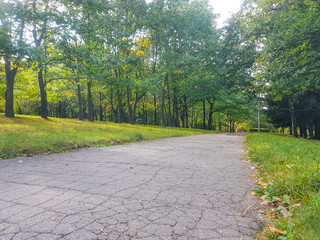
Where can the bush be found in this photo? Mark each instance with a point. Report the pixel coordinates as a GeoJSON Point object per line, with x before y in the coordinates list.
{"type": "Point", "coordinates": [240, 129]}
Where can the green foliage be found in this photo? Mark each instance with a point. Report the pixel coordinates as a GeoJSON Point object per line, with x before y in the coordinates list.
{"type": "Point", "coordinates": [128, 61]}
{"type": "Point", "coordinates": [287, 63]}
{"type": "Point", "coordinates": [308, 218]}
{"type": "Point", "coordinates": [291, 169]}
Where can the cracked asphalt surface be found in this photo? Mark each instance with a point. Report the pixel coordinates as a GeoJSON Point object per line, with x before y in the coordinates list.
{"type": "Point", "coordinates": [178, 188]}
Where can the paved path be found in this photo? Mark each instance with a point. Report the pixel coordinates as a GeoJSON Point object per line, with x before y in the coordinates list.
{"type": "Point", "coordinates": [179, 188]}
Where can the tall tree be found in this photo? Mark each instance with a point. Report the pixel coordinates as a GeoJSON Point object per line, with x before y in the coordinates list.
{"type": "Point", "coordinates": [12, 46]}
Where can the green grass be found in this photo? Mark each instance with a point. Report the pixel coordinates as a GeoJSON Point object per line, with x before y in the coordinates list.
{"type": "Point", "coordinates": [25, 135]}
{"type": "Point", "coordinates": [291, 169]}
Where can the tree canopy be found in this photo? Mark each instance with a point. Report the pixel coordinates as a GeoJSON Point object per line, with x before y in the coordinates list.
{"type": "Point", "coordinates": [163, 62]}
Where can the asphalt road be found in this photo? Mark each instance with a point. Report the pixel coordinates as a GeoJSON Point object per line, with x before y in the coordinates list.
{"type": "Point", "coordinates": [178, 188]}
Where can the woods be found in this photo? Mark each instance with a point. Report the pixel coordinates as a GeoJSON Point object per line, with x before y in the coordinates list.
{"type": "Point", "coordinates": [163, 63]}
{"type": "Point", "coordinates": [288, 66]}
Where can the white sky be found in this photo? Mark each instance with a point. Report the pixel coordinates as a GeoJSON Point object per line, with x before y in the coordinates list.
{"type": "Point", "coordinates": [225, 8]}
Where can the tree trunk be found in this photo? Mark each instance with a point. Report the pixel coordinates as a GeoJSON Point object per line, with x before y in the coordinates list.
{"type": "Point", "coordinates": [293, 119]}
{"type": "Point", "coordinates": [143, 115]}
{"type": "Point", "coordinates": [113, 112]}
{"type": "Point", "coordinates": [310, 129]}
{"type": "Point", "coordinates": [304, 129]}
{"type": "Point", "coordinates": [135, 108]}
{"type": "Point", "coordinates": [138, 98]}
{"type": "Point", "coordinates": [210, 120]}
{"type": "Point", "coordinates": [220, 127]}
{"type": "Point", "coordinates": [130, 117]}
{"type": "Point", "coordinates": [317, 128]}
{"type": "Point", "coordinates": [90, 106]}
{"type": "Point", "coordinates": [301, 130]}
{"type": "Point", "coordinates": [175, 109]}
{"type": "Point", "coordinates": [182, 116]}
{"type": "Point", "coordinates": [10, 76]}
{"type": "Point", "coordinates": [192, 118]}
{"type": "Point", "coordinates": [101, 108]}
{"type": "Point", "coordinates": [43, 94]}
{"type": "Point", "coordinates": [163, 118]}
{"type": "Point", "coordinates": [185, 107]}
{"type": "Point", "coordinates": [169, 118]}
{"type": "Point", "coordinates": [155, 109]}
{"type": "Point", "coordinates": [204, 114]}
{"type": "Point", "coordinates": [79, 101]}
{"type": "Point", "coordinates": [119, 106]}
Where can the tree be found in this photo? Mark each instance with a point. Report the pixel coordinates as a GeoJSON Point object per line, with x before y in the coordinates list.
{"type": "Point", "coordinates": [289, 60]}
{"type": "Point", "coordinates": [12, 46]}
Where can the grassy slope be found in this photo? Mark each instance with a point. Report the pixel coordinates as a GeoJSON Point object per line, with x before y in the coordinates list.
{"type": "Point", "coordinates": [291, 169]}
{"type": "Point", "coordinates": [33, 135]}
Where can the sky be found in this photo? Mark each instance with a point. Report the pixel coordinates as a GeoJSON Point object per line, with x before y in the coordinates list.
{"type": "Point", "coordinates": [225, 8]}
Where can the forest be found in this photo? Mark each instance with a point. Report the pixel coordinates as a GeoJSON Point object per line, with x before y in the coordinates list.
{"type": "Point", "coordinates": [163, 62]}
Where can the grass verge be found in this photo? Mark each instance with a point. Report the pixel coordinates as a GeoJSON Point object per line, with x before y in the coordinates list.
{"type": "Point", "coordinates": [28, 135]}
{"type": "Point", "coordinates": [289, 175]}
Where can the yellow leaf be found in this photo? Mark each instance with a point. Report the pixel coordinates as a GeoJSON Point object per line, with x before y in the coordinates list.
{"type": "Point", "coordinates": [275, 229]}
{"type": "Point", "coordinates": [140, 53]}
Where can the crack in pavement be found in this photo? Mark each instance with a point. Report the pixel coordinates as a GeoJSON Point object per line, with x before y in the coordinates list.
{"type": "Point", "coordinates": [178, 188]}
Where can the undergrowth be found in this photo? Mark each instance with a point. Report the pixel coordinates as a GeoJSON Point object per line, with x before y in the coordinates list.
{"type": "Point", "coordinates": [289, 176]}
